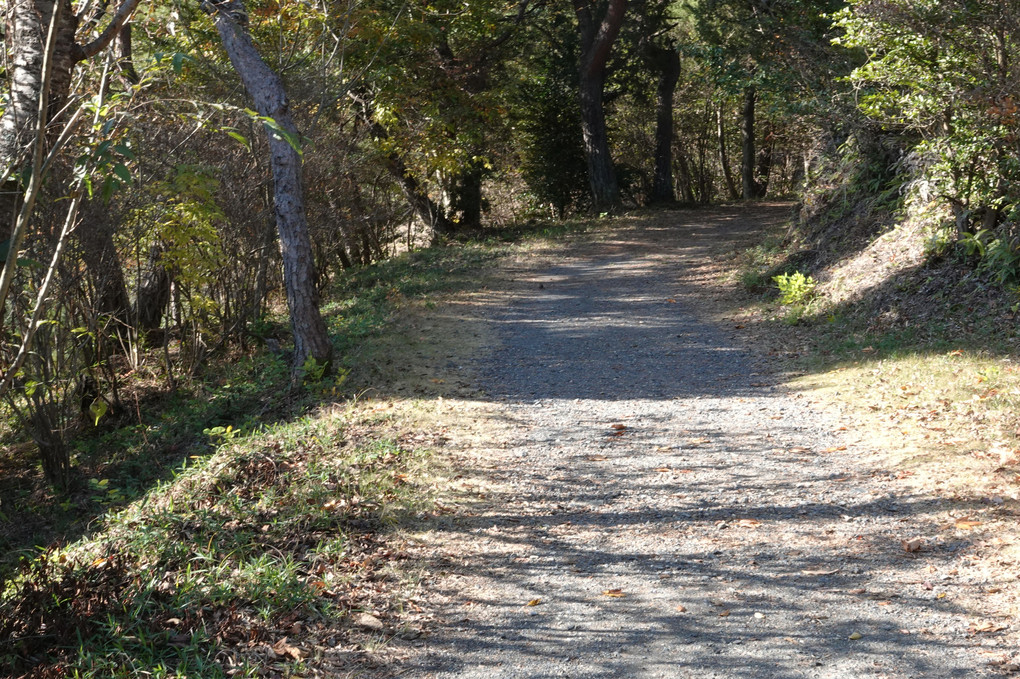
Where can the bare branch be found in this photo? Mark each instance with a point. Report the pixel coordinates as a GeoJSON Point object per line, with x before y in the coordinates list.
{"type": "Point", "coordinates": [120, 17]}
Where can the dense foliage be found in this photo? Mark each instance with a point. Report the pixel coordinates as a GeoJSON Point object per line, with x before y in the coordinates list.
{"type": "Point", "coordinates": [144, 211]}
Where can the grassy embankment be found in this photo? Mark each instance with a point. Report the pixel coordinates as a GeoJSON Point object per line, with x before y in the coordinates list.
{"type": "Point", "coordinates": [914, 343]}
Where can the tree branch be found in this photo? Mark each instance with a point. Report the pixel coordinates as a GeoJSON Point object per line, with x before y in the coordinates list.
{"type": "Point", "coordinates": [120, 17]}
{"type": "Point", "coordinates": [608, 30]}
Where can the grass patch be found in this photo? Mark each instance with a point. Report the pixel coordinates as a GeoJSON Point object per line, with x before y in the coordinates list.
{"type": "Point", "coordinates": [279, 530]}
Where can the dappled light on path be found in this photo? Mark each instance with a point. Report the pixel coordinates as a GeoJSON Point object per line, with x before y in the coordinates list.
{"type": "Point", "coordinates": [662, 507]}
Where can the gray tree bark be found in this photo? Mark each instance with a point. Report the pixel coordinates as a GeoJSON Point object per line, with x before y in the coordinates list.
{"type": "Point", "coordinates": [266, 89]}
{"type": "Point", "coordinates": [596, 44]}
{"type": "Point", "coordinates": [668, 61]}
{"type": "Point", "coordinates": [747, 144]}
{"type": "Point", "coordinates": [724, 159]}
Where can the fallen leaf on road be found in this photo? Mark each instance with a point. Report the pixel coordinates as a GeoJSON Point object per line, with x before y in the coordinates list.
{"type": "Point", "coordinates": [967, 524]}
{"type": "Point", "coordinates": [912, 545]}
{"type": "Point", "coordinates": [597, 458]}
{"type": "Point", "coordinates": [619, 427]}
{"type": "Point", "coordinates": [615, 593]}
{"type": "Point", "coordinates": [798, 449]}
{"type": "Point", "coordinates": [724, 614]}
{"type": "Point", "coordinates": [818, 571]}
{"type": "Point", "coordinates": [749, 523]}
{"type": "Point", "coordinates": [834, 449]}
{"type": "Point", "coordinates": [663, 469]}
{"type": "Point", "coordinates": [534, 602]}
{"type": "Point", "coordinates": [985, 626]}
{"type": "Point", "coordinates": [856, 635]}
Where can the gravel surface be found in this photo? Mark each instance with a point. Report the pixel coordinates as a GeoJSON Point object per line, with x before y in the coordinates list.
{"type": "Point", "coordinates": [657, 505]}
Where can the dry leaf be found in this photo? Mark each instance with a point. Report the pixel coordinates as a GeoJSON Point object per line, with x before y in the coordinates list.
{"type": "Point", "coordinates": [282, 648]}
{"type": "Point", "coordinates": [534, 602]}
{"type": "Point", "coordinates": [834, 449]}
{"type": "Point", "coordinates": [697, 442]}
{"type": "Point", "coordinates": [749, 523]}
{"type": "Point", "coordinates": [985, 626]}
{"type": "Point", "coordinates": [967, 524]}
{"type": "Point", "coordinates": [798, 449]}
{"type": "Point", "coordinates": [856, 635]}
{"type": "Point", "coordinates": [619, 427]}
{"type": "Point", "coordinates": [615, 593]}
{"type": "Point", "coordinates": [681, 609]}
{"type": "Point", "coordinates": [818, 571]}
{"type": "Point", "coordinates": [724, 614]}
{"type": "Point", "coordinates": [912, 545]}
{"type": "Point", "coordinates": [597, 458]}
{"type": "Point", "coordinates": [662, 469]}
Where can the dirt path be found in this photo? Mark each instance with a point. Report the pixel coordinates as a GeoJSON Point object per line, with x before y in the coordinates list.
{"type": "Point", "coordinates": [656, 506]}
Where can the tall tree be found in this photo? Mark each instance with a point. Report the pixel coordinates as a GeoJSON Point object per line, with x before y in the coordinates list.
{"type": "Point", "coordinates": [660, 53]}
{"type": "Point", "coordinates": [596, 38]}
{"type": "Point", "coordinates": [311, 341]}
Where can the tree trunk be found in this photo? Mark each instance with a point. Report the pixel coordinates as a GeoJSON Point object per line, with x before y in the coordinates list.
{"type": "Point", "coordinates": [102, 266]}
{"type": "Point", "coordinates": [311, 340]}
{"type": "Point", "coordinates": [596, 43]}
{"type": "Point", "coordinates": [431, 214]}
{"type": "Point", "coordinates": [724, 159]}
{"type": "Point", "coordinates": [27, 26]}
{"type": "Point", "coordinates": [764, 169]}
{"type": "Point", "coordinates": [747, 130]}
{"type": "Point", "coordinates": [686, 180]}
{"type": "Point", "coordinates": [669, 75]}
{"type": "Point", "coordinates": [153, 294]}
{"type": "Point", "coordinates": [467, 196]}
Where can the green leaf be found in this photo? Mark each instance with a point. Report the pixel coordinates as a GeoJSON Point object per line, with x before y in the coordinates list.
{"type": "Point", "coordinates": [121, 171]}
{"type": "Point", "coordinates": [239, 137]}
{"type": "Point", "coordinates": [124, 150]}
{"type": "Point", "coordinates": [178, 60]}
{"type": "Point", "coordinates": [98, 409]}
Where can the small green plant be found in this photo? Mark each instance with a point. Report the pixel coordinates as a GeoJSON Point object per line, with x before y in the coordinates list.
{"type": "Point", "coordinates": [313, 371]}
{"type": "Point", "coordinates": [105, 494]}
{"type": "Point", "coordinates": [940, 242]}
{"type": "Point", "coordinates": [221, 435]}
{"type": "Point", "coordinates": [795, 288]}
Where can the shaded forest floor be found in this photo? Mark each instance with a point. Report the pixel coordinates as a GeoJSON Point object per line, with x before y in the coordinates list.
{"type": "Point", "coordinates": [589, 456]}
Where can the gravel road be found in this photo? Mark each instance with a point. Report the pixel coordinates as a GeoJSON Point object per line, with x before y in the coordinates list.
{"type": "Point", "coordinates": [660, 506]}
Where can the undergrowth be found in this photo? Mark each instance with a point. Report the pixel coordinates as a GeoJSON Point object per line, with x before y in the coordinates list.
{"type": "Point", "coordinates": [227, 527]}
